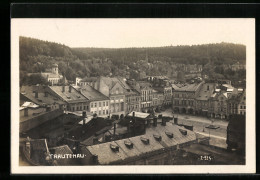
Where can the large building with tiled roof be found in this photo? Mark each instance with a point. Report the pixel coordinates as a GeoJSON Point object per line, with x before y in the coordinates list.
{"type": "Point", "coordinates": [184, 97]}
{"type": "Point", "coordinates": [157, 146]}
{"type": "Point", "coordinates": [98, 102]}
{"type": "Point", "coordinates": [203, 97]}
{"type": "Point", "coordinates": [112, 88]}
{"type": "Point", "coordinates": [41, 96]}
{"type": "Point", "coordinates": [75, 100]}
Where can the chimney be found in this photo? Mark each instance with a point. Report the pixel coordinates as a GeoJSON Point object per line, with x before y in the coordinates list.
{"type": "Point", "coordinates": [114, 129]}
{"type": "Point", "coordinates": [36, 94]}
{"type": "Point", "coordinates": [163, 121]}
{"type": "Point", "coordinates": [70, 89]}
{"type": "Point", "coordinates": [155, 122]}
{"type": "Point", "coordinates": [63, 88]}
{"type": "Point", "coordinates": [175, 120]}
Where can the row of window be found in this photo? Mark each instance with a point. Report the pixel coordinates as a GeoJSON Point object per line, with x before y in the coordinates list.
{"type": "Point", "coordinates": [117, 107]}
{"type": "Point", "coordinates": [183, 102]}
{"type": "Point", "coordinates": [182, 95]}
{"type": "Point", "coordinates": [100, 112]}
{"type": "Point", "coordinates": [132, 99]}
{"type": "Point", "coordinates": [99, 104]}
{"type": "Point", "coordinates": [78, 108]}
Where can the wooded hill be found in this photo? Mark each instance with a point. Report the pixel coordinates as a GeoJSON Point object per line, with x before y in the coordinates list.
{"type": "Point", "coordinates": [37, 55]}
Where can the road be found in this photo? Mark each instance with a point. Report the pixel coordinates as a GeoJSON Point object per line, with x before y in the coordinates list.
{"type": "Point", "coordinates": [217, 136]}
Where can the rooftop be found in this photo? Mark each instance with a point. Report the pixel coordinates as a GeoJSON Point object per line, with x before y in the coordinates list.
{"type": "Point", "coordinates": [67, 96]}
{"type": "Point", "coordinates": [28, 92]}
{"type": "Point", "coordinates": [91, 93]}
{"type": "Point", "coordinates": [188, 87]}
{"type": "Point", "coordinates": [141, 145]}
{"type": "Point", "coordinates": [206, 91]}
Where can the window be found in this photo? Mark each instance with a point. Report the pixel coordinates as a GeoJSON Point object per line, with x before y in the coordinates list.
{"type": "Point", "coordinates": [107, 103]}
{"type": "Point", "coordinates": [241, 107]}
{"type": "Point", "coordinates": [99, 104]}
{"type": "Point", "coordinates": [91, 104]}
{"type": "Point", "coordinates": [106, 111]}
{"type": "Point", "coordinates": [87, 107]}
{"type": "Point", "coordinates": [103, 111]}
{"type": "Point", "coordinates": [72, 108]}
{"type": "Point", "coordinates": [77, 108]}
{"type": "Point", "coordinates": [99, 112]}
{"type": "Point", "coordinates": [104, 103]}
{"type": "Point", "coordinates": [95, 104]}
{"type": "Point", "coordinates": [84, 107]}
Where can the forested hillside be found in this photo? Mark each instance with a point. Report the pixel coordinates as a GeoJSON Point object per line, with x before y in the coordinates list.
{"type": "Point", "coordinates": [37, 55]}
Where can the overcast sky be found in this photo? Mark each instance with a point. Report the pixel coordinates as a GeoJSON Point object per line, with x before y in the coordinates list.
{"type": "Point", "coordinates": [117, 33]}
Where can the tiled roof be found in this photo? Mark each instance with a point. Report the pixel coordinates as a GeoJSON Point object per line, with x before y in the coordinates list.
{"type": "Point", "coordinates": [70, 97]}
{"type": "Point", "coordinates": [188, 87]}
{"type": "Point", "coordinates": [28, 92]}
{"type": "Point", "coordinates": [107, 156]}
{"type": "Point", "coordinates": [204, 93]}
{"type": "Point", "coordinates": [91, 93]}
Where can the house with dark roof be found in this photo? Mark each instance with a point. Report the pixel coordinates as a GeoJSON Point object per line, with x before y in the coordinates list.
{"type": "Point", "coordinates": [184, 97]}
{"type": "Point", "coordinates": [75, 100]}
{"type": "Point", "coordinates": [41, 96]}
{"type": "Point", "coordinates": [202, 99]}
{"type": "Point", "coordinates": [157, 146]}
{"type": "Point", "coordinates": [98, 102]}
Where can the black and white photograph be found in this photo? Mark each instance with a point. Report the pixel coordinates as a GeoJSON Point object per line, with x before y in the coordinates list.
{"type": "Point", "coordinates": [129, 93]}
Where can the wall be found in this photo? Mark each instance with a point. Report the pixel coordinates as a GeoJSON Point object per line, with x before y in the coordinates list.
{"type": "Point", "coordinates": [38, 120]}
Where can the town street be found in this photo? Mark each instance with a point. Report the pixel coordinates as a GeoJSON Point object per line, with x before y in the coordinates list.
{"type": "Point", "coordinates": [217, 136]}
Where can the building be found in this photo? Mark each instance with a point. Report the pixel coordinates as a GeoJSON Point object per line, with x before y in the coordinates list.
{"type": "Point", "coordinates": [162, 85]}
{"type": "Point", "coordinates": [158, 99]}
{"type": "Point", "coordinates": [112, 88]}
{"type": "Point", "coordinates": [98, 103]}
{"type": "Point", "coordinates": [145, 89]}
{"type": "Point", "coordinates": [184, 97]}
{"type": "Point", "coordinates": [30, 109]}
{"type": "Point", "coordinates": [42, 96]}
{"type": "Point", "coordinates": [75, 101]}
{"type": "Point", "coordinates": [218, 105]}
{"type": "Point", "coordinates": [237, 66]}
{"type": "Point", "coordinates": [158, 146]}
{"type": "Point", "coordinates": [237, 103]}
{"type": "Point", "coordinates": [202, 99]}
{"type": "Point", "coordinates": [52, 75]}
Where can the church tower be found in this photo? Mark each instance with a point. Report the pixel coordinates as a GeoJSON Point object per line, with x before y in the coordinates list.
{"type": "Point", "coordinates": [55, 69]}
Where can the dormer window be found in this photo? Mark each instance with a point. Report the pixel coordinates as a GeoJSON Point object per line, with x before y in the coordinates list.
{"type": "Point", "coordinates": [129, 144]}
{"type": "Point", "coordinates": [169, 134]}
{"type": "Point", "coordinates": [183, 132]}
{"type": "Point", "coordinates": [114, 148]}
{"type": "Point", "coordinates": [145, 140]}
{"type": "Point", "coordinates": [157, 137]}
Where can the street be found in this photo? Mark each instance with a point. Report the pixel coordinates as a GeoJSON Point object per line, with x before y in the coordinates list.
{"type": "Point", "coordinates": [217, 136]}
